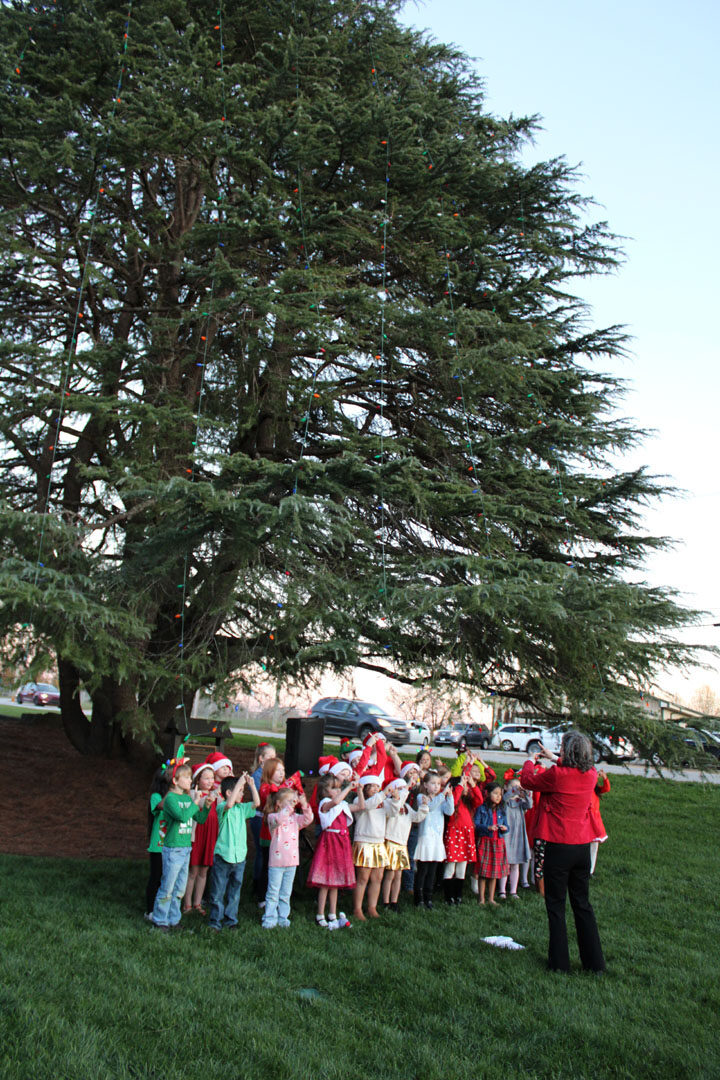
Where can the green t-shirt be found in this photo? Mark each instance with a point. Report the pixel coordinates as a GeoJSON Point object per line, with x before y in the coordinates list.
{"type": "Point", "coordinates": [232, 838]}
{"type": "Point", "coordinates": [158, 826]}
{"type": "Point", "coordinates": [178, 813]}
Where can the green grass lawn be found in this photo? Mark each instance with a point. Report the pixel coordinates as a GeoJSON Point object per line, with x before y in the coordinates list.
{"type": "Point", "coordinates": [90, 991]}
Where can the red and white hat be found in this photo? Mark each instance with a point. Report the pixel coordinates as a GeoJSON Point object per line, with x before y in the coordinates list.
{"type": "Point", "coordinates": [354, 756]}
{"type": "Point", "coordinates": [197, 769]}
{"type": "Point", "coordinates": [340, 766]}
{"type": "Point", "coordinates": [407, 766]}
{"type": "Point", "coordinates": [396, 784]}
{"type": "Point", "coordinates": [216, 760]}
{"type": "Point", "coordinates": [377, 736]}
{"type": "Point", "coordinates": [325, 764]}
{"type": "Point", "coordinates": [368, 779]}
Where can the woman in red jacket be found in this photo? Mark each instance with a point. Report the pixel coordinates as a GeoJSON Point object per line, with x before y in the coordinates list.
{"type": "Point", "coordinates": [565, 823]}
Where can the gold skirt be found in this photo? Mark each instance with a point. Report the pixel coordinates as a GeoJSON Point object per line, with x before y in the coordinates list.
{"type": "Point", "coordinates": [369, 855]}
{"type": "Point", "coordinates": [398, 856]}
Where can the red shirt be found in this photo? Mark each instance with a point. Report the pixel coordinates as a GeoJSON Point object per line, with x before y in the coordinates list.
{"type": "Point", "coordinates": [563, 813]}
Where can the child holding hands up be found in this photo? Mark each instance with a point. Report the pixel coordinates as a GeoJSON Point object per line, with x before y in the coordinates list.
{"type": "Point", "coordinates": [284, 825]}
{"type": "Point", "coordinates": [230, 850]}
{"type": "Point", "coordinates": [332, 866]}
{"type": "Point", "coordinates": [178, 811]}
{"type": "Point", "coordinates": [491, 823]}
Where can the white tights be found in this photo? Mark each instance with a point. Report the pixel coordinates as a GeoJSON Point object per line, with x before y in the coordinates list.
{"type": "Point", "coordinates": [455, 869]}
{"type": "Point", "coordinates": [512, 877]}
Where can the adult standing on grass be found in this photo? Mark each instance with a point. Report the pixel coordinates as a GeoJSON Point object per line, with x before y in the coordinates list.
{"type": "Point", "coordinates": [565, 824]}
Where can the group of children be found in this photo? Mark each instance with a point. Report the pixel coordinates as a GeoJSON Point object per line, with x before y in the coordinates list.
{"type": "Point", "coordinates": [382, 825]}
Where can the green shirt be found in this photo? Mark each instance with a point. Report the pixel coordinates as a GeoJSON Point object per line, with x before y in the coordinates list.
{"type": "Point", "coordinates": [178, 813]}
{"type": "Point", "coordinates": [232, 838]}
{"type": "Point", "coordinates": [158, 826]}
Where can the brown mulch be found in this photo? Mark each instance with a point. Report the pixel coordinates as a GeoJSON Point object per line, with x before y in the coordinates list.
{"type": "Point", "coordinates": [59, 802]}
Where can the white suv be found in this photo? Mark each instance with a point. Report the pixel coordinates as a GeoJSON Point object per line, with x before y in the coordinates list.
{"type": "Point", "coordinates": [526, 738]}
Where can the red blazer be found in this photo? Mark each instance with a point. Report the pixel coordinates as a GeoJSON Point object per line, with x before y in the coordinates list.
{"type": "Point", "coordinates": [563, 813]}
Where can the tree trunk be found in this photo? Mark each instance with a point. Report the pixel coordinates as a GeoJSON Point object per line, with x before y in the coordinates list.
{"type": "Point", "coordinates": [101, 734]}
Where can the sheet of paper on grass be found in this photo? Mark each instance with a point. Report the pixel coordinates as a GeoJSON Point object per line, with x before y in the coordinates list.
{"type": "Point", "coordinates": [503, 942]}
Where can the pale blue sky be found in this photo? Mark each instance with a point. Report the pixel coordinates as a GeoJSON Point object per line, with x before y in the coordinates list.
{"type": "Point", "coordinates": [630, 91]}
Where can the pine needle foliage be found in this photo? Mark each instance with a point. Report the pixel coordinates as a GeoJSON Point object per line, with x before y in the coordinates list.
{"type": "Point", "coordinates": [294, 375]}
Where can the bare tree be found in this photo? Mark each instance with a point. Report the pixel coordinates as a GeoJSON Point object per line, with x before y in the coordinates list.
{"type": "Point", "coordinates": [706, 700]}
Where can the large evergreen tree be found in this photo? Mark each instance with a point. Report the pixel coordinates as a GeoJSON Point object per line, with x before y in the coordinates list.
{"type": "Point", "coordinates": [293, 371]}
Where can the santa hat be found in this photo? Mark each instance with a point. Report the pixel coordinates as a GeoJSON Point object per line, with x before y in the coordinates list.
{"type": "Point", "coordinates": [197, 769]}
{"type": "Point", "coordinates": [339, 766]}
{"type": "Point", "coordinates": [399, 783]}
{"type": "Point", "coordinates": [407, 766]}
{"type": "Point", "coordinates": [326, 764]}
{"type": "Point", "coordinates": [217, 760]}
{"type": "Point", "coordinates": [509, 774]}
{"type": "Point", "coordinates": [377, 735]}
{"type": "Point", "coordinates": [367, 779]}
{"type": "Point", "coordinates": [354, 756]}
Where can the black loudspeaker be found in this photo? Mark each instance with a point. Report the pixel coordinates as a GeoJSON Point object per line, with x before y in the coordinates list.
{"type": "Point", "coordinates": [305, 736]}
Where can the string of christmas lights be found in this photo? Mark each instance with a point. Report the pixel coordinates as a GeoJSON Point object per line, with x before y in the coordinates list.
{"type": "Point", "coordinates": [77, 323]}
{"type": "Point", "coordinates": [306, 257]}
{"type": "Point", "coordinates": [207, 317]}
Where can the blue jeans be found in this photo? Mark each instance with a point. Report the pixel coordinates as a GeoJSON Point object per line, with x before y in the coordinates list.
{"type": "Point", "coordinates": [225, 884]}
{"type": "Point", "coordinates": [175, 863]}
{"type": "Point", "coordinates": [277, 897]}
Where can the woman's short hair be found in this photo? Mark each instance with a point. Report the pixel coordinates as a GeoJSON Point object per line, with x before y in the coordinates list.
{"type": "Point", "coordinates": [576, 751]}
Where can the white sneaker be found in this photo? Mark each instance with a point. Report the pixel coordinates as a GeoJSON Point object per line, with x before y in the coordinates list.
{"type": "Point", "coordinates": [321, 921]}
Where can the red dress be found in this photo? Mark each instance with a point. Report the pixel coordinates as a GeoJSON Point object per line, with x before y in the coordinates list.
{"type": "Point", "coordinates": [597, 822]}
{"type": "Point", "coordinates": [332, 865]}
{"type": "Point", "coordinates": [460, 830]}
{"type": "Point", "coordinates": [203, 845]}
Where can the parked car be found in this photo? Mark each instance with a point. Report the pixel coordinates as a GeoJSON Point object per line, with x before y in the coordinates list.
{"type": "Point", "coordinates": [461, 735]}
{"type": "Point", "coordinates": [356, 719]}
{"type": "Point", "coordinates": [419, 733]}
{"type": "Point", "coordinates": [527, 738]}
{"type": "Point", "coordinates": [605, 748]}
{"type": "Point", "coordinates": [704, 745]}
{"type": "Point", "coordinates": [38, 693]}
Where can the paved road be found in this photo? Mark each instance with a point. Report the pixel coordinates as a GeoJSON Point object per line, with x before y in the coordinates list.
{"type": "Point", "coordinates": [446, 752]}
{"type": "Point", "coordinates": [515, 759]}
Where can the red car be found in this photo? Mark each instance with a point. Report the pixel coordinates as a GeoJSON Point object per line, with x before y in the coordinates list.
{"type": "Point", "coordinates": [39, 694]}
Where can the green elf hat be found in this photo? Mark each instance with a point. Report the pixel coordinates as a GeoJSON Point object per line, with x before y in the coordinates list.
{"type": "Point", "coordinates": [348, 745]}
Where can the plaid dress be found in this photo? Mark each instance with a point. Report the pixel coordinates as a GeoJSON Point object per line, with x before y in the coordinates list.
{"type": "Point", "coordinates": [492, 856]}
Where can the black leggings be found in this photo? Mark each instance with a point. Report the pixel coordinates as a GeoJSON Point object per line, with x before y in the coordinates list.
{"type": "Point", "coordinates": [424, 880]}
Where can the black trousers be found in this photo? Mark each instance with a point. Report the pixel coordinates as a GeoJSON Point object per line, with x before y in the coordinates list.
{"type": "Point", "coordinates": [153, 879]}
{"type": "Point", "coordinates": [567, 873]}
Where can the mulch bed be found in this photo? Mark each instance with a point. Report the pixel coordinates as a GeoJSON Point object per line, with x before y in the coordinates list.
{"type": "Point", "coordinates": [59, 802]}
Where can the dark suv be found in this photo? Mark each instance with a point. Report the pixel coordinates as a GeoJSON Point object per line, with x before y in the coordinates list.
{"type": "Point", "coordinates": [463, 735]}
{"type": "Point", "coordinates": [357, 719]}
